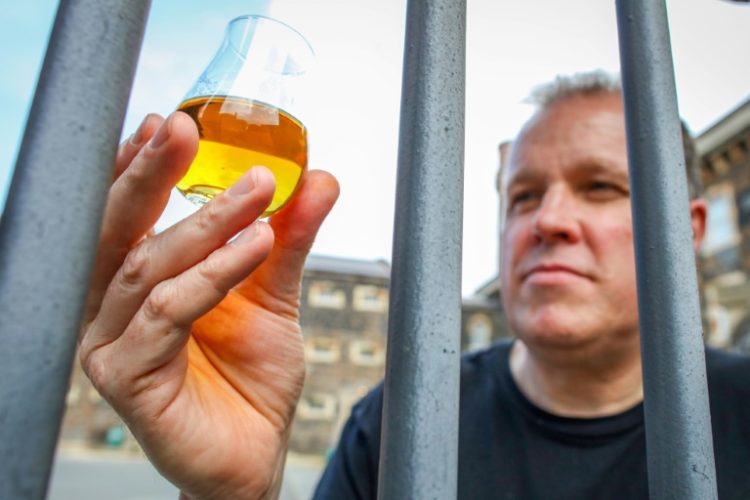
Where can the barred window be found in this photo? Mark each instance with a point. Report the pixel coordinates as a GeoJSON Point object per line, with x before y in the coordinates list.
{"type": "Point", "coordinates": [366, 353]}
{"type": "Point", "coordinates": [325, 294]}
{"type": "Point", "coordinates": [721, 227]}
{"type": "Point", "coordinates": [317, 406]}
{"type": "Point", "coordinates": [74, 395]}
{"type": "Point", "coordinates": [370, 298]}
{"type": "Point", "coordinates": [479, 330]}
{"type": "Point", "coordinates": [322, 350]}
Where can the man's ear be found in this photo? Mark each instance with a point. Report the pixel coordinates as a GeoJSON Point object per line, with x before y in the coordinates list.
{"type": "Point", "coordinates": [698, 213]}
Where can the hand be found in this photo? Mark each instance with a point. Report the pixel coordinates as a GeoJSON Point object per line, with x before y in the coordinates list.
{"type": "Point", "coordinates": [194, 341]}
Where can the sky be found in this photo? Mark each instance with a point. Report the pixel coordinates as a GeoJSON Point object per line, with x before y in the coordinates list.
{"type": "Point", "coordinates": [354, 90]}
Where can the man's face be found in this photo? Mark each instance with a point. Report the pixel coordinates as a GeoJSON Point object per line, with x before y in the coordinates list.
{"type": "Point", "coordinates": [567, 264]}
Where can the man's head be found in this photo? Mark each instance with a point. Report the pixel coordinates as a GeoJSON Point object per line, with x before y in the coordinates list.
{"type": "Point", "coordinates": [567, 263]}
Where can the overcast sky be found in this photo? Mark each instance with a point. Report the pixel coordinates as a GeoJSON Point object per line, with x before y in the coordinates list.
{"type": "Point", "coordinates": [512, 45]}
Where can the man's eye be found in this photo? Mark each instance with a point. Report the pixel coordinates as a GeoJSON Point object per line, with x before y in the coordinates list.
{"type": "Point", "coordinates": [605, 189]}
{"type": "Point", "coordinates": [602, 186]}
{"type": "Point", "coordinates": [522, 199]}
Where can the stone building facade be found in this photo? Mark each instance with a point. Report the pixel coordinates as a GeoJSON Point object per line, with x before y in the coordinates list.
{"type": "Point", "coordinates": [725, 254]}
{"type": "Point", "coordinates": [344, 317]}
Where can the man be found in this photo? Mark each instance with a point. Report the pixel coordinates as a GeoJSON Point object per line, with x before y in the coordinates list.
{"type": "Point", "coordinates": [557, 413]}
{"type": "Point", "coordinates": [208, 383]}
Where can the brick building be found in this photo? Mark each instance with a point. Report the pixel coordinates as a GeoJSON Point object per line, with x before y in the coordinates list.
{"type": "Point", "coordinates": [725, 253]}
{"type": "Point", "coordinates": [344, 314]}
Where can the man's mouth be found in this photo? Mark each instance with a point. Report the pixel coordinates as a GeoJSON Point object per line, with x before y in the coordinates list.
{"type": "Point", "coordinates": [552, 273]}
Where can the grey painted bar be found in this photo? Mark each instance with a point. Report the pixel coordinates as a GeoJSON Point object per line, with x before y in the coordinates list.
{"type": "Point", "coordinates": [50, 225]}
{"type": "Point", "coordinates": [419, 445]}
{"type": "Point", "coordinates": [678, 424]}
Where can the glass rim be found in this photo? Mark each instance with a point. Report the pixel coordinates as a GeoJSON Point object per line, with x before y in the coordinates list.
{"type": "Point", "coordinates": [273, 20]}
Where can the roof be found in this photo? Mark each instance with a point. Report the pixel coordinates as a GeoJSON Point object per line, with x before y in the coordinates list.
{"type": "Point", "coordinates": [490, 288]}
{"type": "Point", "coordinates": [724, 130]}
{"type": "Point", "coordinates": [381, 269]}
{"type": "Point", "coordinates": [348, 266]}
{"type": "Point", "coordinates": [479, 302]}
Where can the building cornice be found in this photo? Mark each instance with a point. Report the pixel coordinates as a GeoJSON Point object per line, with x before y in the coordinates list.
{"type": "Point", "coordinates": [724, 130]}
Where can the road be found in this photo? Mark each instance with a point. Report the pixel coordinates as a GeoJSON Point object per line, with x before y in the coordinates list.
{"type": "Point", "coordinates": [98, 476]}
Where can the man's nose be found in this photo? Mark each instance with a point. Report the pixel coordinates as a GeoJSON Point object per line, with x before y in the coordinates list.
{"type": "Point", "coordinates": [556, 218]}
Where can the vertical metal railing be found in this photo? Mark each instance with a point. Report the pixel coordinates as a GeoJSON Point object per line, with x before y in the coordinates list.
{"type": "Point", "coordinates": [50, 226]}
{"type": "Point", "coordinates": [678, 424]}
{"type": "Point", "coordinates": [419, 447]}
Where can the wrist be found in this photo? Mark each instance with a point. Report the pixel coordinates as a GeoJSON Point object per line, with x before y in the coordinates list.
{"type": "Point", "coordinates": [271, 491]}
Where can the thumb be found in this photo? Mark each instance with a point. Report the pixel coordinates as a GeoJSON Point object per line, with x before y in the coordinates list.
{"type": "Point", "coordinates": [295, 228]}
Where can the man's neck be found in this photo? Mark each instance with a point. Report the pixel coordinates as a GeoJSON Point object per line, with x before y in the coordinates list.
{"type": "Point", "coordinates": [575, 388]}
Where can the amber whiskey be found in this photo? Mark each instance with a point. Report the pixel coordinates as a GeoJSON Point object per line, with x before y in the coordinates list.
{"type": "Point", "coordinates": [237, 134]}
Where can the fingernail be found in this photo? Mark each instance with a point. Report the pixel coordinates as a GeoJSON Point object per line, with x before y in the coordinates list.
{"type": "Point", "coordinates": [162, 134]}
{"type": "Point", "coordinates": [137, 138]}
{"type": "Point", "coordinates": [244, 184]}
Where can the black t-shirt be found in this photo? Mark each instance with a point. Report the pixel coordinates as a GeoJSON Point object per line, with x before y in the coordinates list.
{"type": "Point", "coordinates": [511, 449]}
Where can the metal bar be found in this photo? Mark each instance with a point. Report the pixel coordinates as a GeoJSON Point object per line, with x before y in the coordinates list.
{"type": "Point", "coordinates": [678, 423]}
{"type": "Point", "coordinates": [50, 226]}
{"type": "Point", "coordinates": [419, 447]}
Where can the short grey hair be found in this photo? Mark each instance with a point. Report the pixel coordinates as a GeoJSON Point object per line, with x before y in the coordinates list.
{"type": "Point", "coordinates": [599, 82]}
{"type": "Point", "coordinates": [578, 84]}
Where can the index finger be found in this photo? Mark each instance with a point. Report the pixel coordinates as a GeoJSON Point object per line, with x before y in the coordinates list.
{"type": "Point", "coordinates": [139, 195]}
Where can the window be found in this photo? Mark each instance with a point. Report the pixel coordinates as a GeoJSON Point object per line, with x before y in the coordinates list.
{"type": "Point", "coordinates": [743, 205]}
{"type": "Point", "coordinates": [479, 330]}
{"type": "Point", "coordinates": [721, 224]}
{"type": "Point", "coordinates": [326, 294]}
{"type": "Point", "coordinates": [73, 396]}
{"type": "Point", "coordinates": [322, 350]}
{"type": "Point", "coordinates": [366, 353]}
{"type": "Point", "coordinates": [317, 406]}
{"type": "Point", "coordinates": [370, 298]}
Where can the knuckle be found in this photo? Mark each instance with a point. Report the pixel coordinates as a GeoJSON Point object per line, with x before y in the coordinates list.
{"type": "Point", "coordinates": [157, 304]}
{"type": "Point", "coordinates": [96, 370]}
{"type": "Point", "coordinates": [133, 177]}
{"type": "Point", "coordinates": [84, 350]}
{"type": "Point", "coordinates": [210, 273]}
{"type": "Point", "coordinates": [210, 216]}
{"type": "Point", "coordinates": [119, 158]}
{"type": "Point", "coordinates": [135, 266]}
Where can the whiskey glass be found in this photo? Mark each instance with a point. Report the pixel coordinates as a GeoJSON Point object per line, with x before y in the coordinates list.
{"type": "Point", "coordinates": [244, 106]}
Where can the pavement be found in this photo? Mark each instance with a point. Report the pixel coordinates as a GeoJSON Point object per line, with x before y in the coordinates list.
{"type": "Point", "coordinates": [84, 474]}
